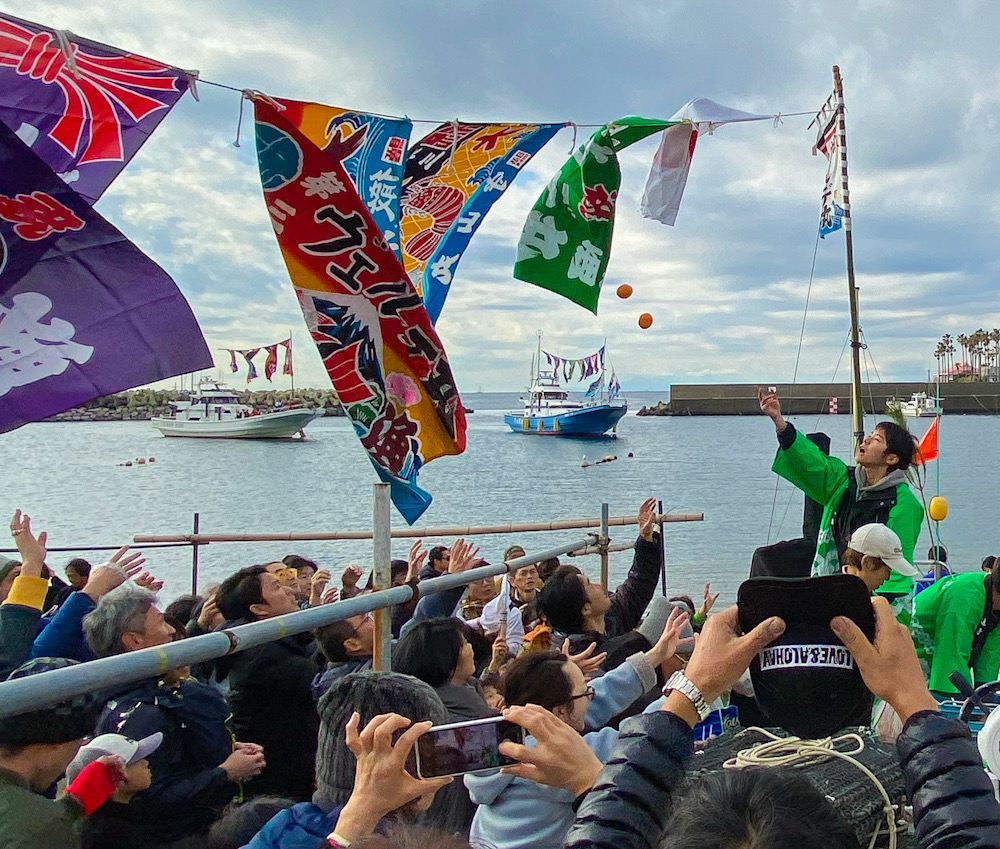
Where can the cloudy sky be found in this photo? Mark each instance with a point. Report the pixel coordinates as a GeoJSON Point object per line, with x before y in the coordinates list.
{"type": "Point", "coordinates": [726, 286]}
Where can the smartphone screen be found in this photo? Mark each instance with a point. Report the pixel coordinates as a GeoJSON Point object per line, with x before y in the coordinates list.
{"type": "Point", "coordinates": [464, 747]}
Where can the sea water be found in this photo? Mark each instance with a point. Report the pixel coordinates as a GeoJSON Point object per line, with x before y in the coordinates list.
{"type": "Point", "coordinates": [68, 478]}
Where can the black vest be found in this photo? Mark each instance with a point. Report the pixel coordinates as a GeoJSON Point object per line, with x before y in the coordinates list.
{"type": "Point", "coordinates": [855, 510]}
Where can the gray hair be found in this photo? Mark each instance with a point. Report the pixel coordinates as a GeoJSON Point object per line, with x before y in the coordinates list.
{"type": "Point", "coordinates": [122, 610]}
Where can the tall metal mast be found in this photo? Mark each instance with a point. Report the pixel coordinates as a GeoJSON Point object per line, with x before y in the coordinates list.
{"type": "Point", "coordinates": [830, 120]}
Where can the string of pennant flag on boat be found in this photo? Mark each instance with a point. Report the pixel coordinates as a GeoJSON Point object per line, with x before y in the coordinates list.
{"type": "Point", "coordinates": [372, 230]}
{"type": "Point", "coordinates": [270, 363]}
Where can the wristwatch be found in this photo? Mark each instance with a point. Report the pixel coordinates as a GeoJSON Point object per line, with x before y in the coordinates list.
{"type": "Point", "coordinates": [679, 681]}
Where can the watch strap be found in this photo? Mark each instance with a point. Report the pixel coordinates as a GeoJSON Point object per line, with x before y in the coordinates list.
{"type": "Point", "coordinates": [680, 682]}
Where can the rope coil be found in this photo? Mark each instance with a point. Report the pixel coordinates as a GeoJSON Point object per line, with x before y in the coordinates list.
{"type": "Point", "coordinates": [794, 751]}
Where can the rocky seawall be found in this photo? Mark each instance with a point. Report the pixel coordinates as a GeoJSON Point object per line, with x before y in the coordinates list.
{"type": "Point", "coordinates": [143, 404]}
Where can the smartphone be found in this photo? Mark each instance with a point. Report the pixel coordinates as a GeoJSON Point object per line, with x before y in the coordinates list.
{"type": "Point", "coordinates": [461, 748]}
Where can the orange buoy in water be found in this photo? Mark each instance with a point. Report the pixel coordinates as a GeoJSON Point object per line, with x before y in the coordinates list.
{"type": "Point", "coordinates": [624, 291]}
{"type": "Point", "coordinates": [645, 321]}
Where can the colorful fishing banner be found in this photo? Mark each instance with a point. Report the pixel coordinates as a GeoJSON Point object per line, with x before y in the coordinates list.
{"type": "Point", "coordinates": [271, 363]}
{"type": "Point", "coordinates": [589, 366]}
{"type": "Point", "coordinates": [83, 312]}
{"type": "Point", "coordinates": [251, 368]}
{"type": "Point", "coordinates": [835, 211]}
{"type": "Point", "coordinates": [85, 108]}
{"type": "Point", "coordinates": [371, 148]}
{"type": "Point", "coordinates": [614, 387]}
{"type": "Point", "coordinates": [385, 361]}
{"type": "Point", "coordinates": [286, 366]}
{"type": "Point", "coordinates": [566, 242]}
{"type": "Point", "coordinates": [453, 177]}
{"type": "Point", "coordinates": [669, 173]}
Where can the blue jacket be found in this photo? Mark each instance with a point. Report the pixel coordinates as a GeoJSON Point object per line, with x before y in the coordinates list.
{"type": "Point", "coordinates": [515, 813]}
{"type": "Point", "coordinates": [189, 790]}
{"type": "Point", "coordinates": [302, 826]}
{"type": "Point", "coordinates": [63, 635]}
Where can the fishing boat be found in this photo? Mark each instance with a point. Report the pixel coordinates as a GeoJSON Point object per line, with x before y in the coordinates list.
{"type": "Point", "coordinates": [548, 410]}
{"type": "Point", "coordinates": [213, 411]}
{"type": "Point", "coordinates": [920, 406]}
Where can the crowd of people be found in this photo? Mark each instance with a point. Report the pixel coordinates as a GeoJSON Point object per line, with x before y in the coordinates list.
{"type": "Point", "coordinates": [299, 744]}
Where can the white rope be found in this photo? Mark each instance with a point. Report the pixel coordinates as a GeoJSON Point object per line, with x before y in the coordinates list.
{"type": "Point", "coordinates": [66, 46]}
{"type": "Point", "coordinates": [793, 751]}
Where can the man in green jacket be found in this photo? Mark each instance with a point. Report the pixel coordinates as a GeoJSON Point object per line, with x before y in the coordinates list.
{"type": "Point", "coordinates": [875, 490]}
{"type": "Point", "coordinates": [955, 629]}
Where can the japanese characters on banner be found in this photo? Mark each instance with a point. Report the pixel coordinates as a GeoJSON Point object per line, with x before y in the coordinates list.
{"type": "Point", "coordinates": [566, 242]}
{"type": "Point", "coordinates": [831, 214]}
{"type": "Point", "coordinates": [83, 312]}
{"type": "Point", "coordinates": [83, 107]}
{"type": "Point", "coordinates": [372, 150]}
{"type": "Point", "coordinates": [453, 177]}
{"type": "Point", "coordinates": [385, 361]}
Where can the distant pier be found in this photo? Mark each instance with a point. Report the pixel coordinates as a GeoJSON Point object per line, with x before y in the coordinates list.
{"type": "Point", "coordinates": [740, 399]}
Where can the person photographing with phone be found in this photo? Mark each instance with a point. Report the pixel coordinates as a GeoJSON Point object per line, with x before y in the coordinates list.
{"type": "Point", "coordinates": [873, 490]}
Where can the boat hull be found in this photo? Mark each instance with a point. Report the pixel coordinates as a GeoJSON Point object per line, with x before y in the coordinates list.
{"type": "Point", "coordinates": [589, 421]}
{"type": "Point", "coordinates": [283, 424]}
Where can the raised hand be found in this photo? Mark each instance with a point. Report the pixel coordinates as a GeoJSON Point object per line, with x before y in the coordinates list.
{"type": "Point", "coordinates": [210, 616]}
{"type": "Point", "coordinates": [381, 782]}
{"type": "Point", "coordinates": [770, 406]}
{"type": "Point", "coordinates": [30, 548]}
{"type": "Point", "coordinates": [647, 519]}
{"type": "Point", "coordinates": [463, 555]}
{"type": "Point", "coordinates": [414, 561]}
{"type": "Point", "coordinates": [106, 576]}
{"type": "Point", "coordinates": [561, 757]}
{"type": "Point", "coordinates": [584, 660]}
{"type": "Point", "coordinates": [318, 582]}
{"type": "Point", "coordinates": [670, 640]}
{"type": "Point", "coordinates": [707, 604]}
{"type": "Point", "coordinates": [889, 666]}
{"type": "Point", "coordinates": [148, 582]}
{"type": "Point", "coordinates": [330, 596]}
{"type": "Point", "coordinates": [350, 576]}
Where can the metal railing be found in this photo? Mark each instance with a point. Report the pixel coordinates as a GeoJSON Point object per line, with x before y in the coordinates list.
{"type": "Point", "coordinates": [47, 688]}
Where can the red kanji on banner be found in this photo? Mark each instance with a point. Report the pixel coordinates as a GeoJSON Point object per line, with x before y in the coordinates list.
{"type": "Point", "coordinates": [597, 204]}
{"type": "Point", "coordinates": [38, 215]}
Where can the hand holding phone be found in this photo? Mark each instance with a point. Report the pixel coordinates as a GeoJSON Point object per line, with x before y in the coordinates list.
{"type": "Point", "coordinates": [461, 748]}
{"type": "Point", "coordinates": [381, 782]}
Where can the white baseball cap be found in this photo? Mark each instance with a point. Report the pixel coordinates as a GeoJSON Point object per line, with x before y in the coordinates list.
{"type": "Point", "coordinates": [128, 750]}
{"type": "Point", "coordinates": [882, 542]}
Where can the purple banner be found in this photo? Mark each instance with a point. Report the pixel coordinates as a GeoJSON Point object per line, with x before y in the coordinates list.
{"type": "Point", "coordinates": [83, 312]}
{"type": "Point", "coordinates": [83, 107]}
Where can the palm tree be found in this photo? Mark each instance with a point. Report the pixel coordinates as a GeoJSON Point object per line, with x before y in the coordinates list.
{"type": "Point", "coordinates": [938, 353]}
{"type": "Point", "coordinates": [963, 342]}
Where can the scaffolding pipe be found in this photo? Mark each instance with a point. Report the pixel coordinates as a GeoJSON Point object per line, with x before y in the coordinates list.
{"type": "Point", "coordinates": [382, 576]}
{"type": "Point", "coordinates": [602, 545]}
{"type": "Point", "coordinates": [409, 533]}
{"type": "Point", "coordinates": [35, 692]}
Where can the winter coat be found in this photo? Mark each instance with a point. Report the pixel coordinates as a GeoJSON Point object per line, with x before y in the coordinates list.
{"type": "Point", "coordinates": [515, 813]}
{"type": "Point", "coordinates": [63, 634]}
{"type": "Point", "coordinates": [628, 603]}
{"type": "Point", "coordinates": [271, 696]}
{"type": "Point", "coordinates": [848, 504]}
{"type": "Point", "coordinates": [303, 826]}
{"type": "Point", "coordinates": [189, 788]}
{"type": "Point", "coordinates": [464, 701]}
{"type": "Point", "coordinates": [945, 618]}
{"type": "Point", "coordinates": [19, 616]}
{"type": "Point", "coordinates": [953, 803]}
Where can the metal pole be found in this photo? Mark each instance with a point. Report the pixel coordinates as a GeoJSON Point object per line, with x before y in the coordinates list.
{"type": "Point", "coordinates": [382, 575]}
{"type": "Point", "coordinates": [603, 543]}
{"type": "Point", "coordinates": [857, 407]}
{"type": "Point", "coordinates": [663, 552]}
{"type": "Point", "coordinates": [194, 556]}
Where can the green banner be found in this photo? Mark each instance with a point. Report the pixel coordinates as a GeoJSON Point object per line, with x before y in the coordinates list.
{"type": "Point", "coordinates": [566, 241]}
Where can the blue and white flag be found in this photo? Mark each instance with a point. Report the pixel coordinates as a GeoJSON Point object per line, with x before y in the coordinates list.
{"type": "Point", "coordinates": [595, 387]}
{"type": "Point", "coordinates": [614, 387]}
{"type": "Point", "coordinates": [831, 216]}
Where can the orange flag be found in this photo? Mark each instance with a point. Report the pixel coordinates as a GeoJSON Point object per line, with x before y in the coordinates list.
{"type": "Point", "coordinates": [927, 449]}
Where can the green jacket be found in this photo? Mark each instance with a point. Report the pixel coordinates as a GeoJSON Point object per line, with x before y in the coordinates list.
{"type": "Point", "coordinates": [825, 479]}
{"type": "Point", "coordinates": [945, 617]}
{"type": "Point", "coordinates": [30, 821]}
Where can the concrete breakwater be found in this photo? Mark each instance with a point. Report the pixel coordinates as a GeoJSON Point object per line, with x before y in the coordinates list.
{"type": "Point", "coordinates": [143, 404]}
{"type": "Point", "coordinates": [740, 399]}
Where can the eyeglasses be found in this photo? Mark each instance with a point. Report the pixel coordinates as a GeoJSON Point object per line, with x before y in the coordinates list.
{"type": "Point", "coordinates": [586, 694]}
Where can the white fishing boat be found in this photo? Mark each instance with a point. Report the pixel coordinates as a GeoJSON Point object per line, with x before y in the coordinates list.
{"type": "Point", "coordinates": [920, 405]}
{"type": "Point", "coordinates": [214, 411]}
